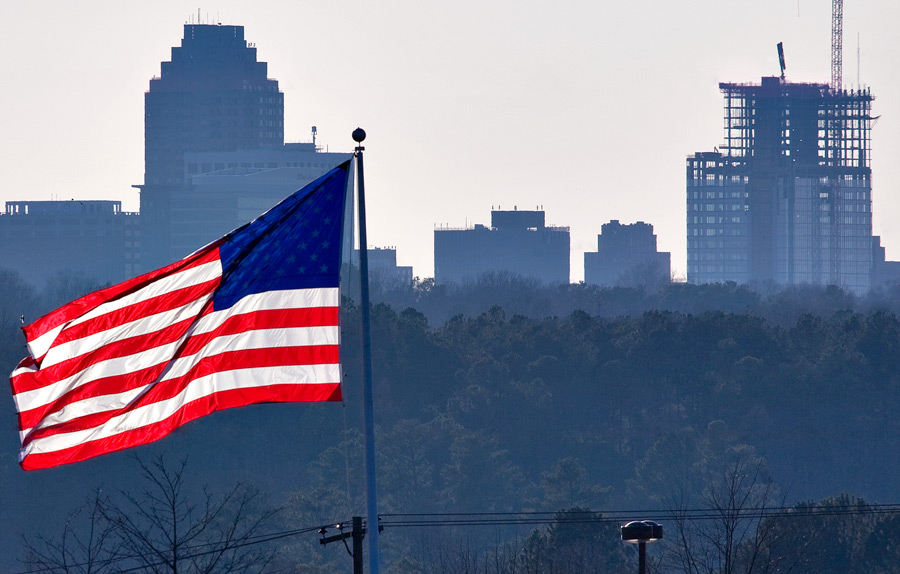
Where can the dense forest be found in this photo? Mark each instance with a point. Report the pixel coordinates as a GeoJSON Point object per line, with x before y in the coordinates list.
{"type": "Point", "coordinates": [568, 404]}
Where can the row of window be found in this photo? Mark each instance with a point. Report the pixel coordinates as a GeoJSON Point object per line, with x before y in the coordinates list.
{"type": "Point", "coordinates": [717, 207]}
{"type": "Point", "coordinates": [718, 255]}
{"type": "Point", "coordinates": [710, 231]}
{"type": "Point", "coordinates": [735, 269]}
{"type": "Point", "coordinates": [734, 194]}
{"type": "Point", "coordinates": [715, 219]}
{"type": "Point", "coordinates": [196, 168]}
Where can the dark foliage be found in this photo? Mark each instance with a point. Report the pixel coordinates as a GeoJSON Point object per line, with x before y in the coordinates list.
{"type": "Point", "coordinates": [512, 397]}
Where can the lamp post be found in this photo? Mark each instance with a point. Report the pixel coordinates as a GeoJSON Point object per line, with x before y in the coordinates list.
{"type": "Point", "coordinates": [641, 532]}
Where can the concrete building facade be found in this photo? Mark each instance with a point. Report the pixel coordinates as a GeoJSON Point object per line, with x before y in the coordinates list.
{"type": "Point", "coordinates": [626, 255]}
{"type": "Point", "coordinates": [518, 243]}
{"type": "Point", "coordinates": [91, 240]}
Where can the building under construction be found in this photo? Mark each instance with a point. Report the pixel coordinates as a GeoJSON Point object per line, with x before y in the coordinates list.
{"type": "Point", "coordinates": [787, 197]}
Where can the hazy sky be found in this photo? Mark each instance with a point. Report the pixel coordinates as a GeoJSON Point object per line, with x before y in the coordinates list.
{"type": "Point", "coordinates": [587, 108]}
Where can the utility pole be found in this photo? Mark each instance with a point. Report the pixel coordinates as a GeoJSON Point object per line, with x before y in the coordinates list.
{"type": "Point", "coordinates": [356, 534]}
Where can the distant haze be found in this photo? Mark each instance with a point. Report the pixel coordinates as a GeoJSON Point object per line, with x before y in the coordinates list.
{"type": "Point", "coordinates": [585, 108]}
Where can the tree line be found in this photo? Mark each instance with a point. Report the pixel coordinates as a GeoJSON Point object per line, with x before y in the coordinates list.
{"type": "Point", "coordinates": [530, 399]}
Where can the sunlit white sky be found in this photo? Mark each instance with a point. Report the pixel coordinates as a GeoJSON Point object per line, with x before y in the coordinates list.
{"type": "Point", "coordinates": [587, 108]}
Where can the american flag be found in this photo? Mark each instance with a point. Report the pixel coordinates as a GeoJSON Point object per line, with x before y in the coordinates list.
{"type": "Point", "coordinates": [250, 318]}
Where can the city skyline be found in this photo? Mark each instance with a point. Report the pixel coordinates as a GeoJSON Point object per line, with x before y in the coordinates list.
{"type": "Point", "coordinates": [589, 111]}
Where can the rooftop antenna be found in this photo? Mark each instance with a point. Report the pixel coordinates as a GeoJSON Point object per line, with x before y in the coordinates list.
{"type": "Point", "coordinates": [314, 135]}
{"type": "Point", "coordinates": [781, 59]}
{"type": "Point", "coordinates": [837, 43]}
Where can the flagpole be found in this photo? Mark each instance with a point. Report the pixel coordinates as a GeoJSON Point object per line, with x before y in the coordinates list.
{"type": "Point", "coordinates": [368, 396]}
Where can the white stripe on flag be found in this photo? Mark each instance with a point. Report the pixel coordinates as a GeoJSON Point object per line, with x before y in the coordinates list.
{"type": "Point", "coordinates": [166, 284]}
{"type": "Point", "coordinates": [198, 388]}
{"type": "Point", "coordinates": [27, 400]}
{"type": "Point", "coordinates": [270, 301]}
{"type": "Point", "coordinates": [120, 333]}
{"type": "Point", "coordinates": [39, 346]}
{"type": "Point", "coordinates": [262, 339]}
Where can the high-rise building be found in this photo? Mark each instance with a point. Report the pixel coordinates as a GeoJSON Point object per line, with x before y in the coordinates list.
{"type": "Point", "coordinates": [215, 159]}
{"type": "Point", "coordinates": [627, 255]}
{"type": "Point", "coordinates": [517, 243]}
{"type": "Point", "coordinates": [213, 96]}
{"type": "Point", "coordinates": [787, 197]}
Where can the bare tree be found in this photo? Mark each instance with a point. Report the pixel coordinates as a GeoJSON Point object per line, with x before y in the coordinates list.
{"type": "Point", "coordinates": [83, 547]}
{"type": "Point", "coordinates": [730, 537]}
{"type": "Point", "coordinates": [161, 529]}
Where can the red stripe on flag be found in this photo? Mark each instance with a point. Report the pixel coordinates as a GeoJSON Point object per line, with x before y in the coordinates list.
{"type": "Point", "coordinates": [272, 318]}
{"type": "Point", "coordinates": [29, 381]}
{"type": "Point", "coordinates": [100, 387]}
{"type": "Point", "coordinates": [191, 411]}
{"type": "Point", "coordinates": [163, 390]}
{"type": "Point", "coordinates": [266, 319]}
{"type": "Point", "coordinates": [79, 307]}
{"type": "Point", "coordinates": [140, 310]}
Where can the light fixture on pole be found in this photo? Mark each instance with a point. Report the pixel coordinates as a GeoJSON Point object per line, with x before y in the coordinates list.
{"type": "Point", "coordinates": [641, 532]}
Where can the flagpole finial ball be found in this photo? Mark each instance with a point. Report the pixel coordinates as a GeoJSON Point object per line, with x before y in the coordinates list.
{"type": "Point", "coordinates": [359, 135]}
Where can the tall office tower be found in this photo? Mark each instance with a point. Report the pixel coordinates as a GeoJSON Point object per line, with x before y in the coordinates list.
{"type": "Point", "coordinates": [787, 197]}
{"type": "Point", "coordinates": [213, 96]}
{"type": "Point", "coordinates": [517, 243]}
{"type": "Point", "coordinates": [627, 255]}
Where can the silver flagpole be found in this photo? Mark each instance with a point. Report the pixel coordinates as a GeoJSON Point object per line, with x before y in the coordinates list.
{"type": "Point", "coordinates": [368, 396]}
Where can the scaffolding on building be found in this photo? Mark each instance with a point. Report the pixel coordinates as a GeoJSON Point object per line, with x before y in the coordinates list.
{"type": "Point", "coordinates": [785, 134]}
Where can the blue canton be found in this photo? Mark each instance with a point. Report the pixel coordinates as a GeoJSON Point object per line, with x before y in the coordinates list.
{"type": "Point", "coordinates": [294, 245]}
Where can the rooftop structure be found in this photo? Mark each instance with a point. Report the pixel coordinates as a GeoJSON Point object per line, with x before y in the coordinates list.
{"type": "Point", "coordinates": [384, 273]}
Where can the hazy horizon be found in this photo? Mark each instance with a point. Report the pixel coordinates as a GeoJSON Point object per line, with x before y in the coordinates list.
{"type": "Point", "coordinates": [586, 109]}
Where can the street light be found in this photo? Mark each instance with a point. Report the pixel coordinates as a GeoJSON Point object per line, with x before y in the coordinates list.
{"type": "Point", "coordinates": [641, 532]}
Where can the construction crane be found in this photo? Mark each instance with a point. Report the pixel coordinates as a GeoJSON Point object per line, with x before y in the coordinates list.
{"type": "Point", "coordinates": [837, 44]}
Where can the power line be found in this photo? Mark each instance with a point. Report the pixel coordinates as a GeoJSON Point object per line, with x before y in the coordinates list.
{"type": "Point", "coordinates": [399, 520]}
{"type": "Point", "coordinates": [249, 541]}
{"type": "Point", "coordinates": [480, 519]}
{"type": "Point", "coordinates": [633, 512]}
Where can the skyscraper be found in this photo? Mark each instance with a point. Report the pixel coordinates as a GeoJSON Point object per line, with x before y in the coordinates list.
{"type": "Point", "coordinates": [787, 197]}
{"type": "Point", "coordinates": [213, 96]}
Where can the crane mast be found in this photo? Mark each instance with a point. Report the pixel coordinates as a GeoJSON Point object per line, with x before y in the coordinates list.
{"type": "Point", "coordinates": [837, 44]}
